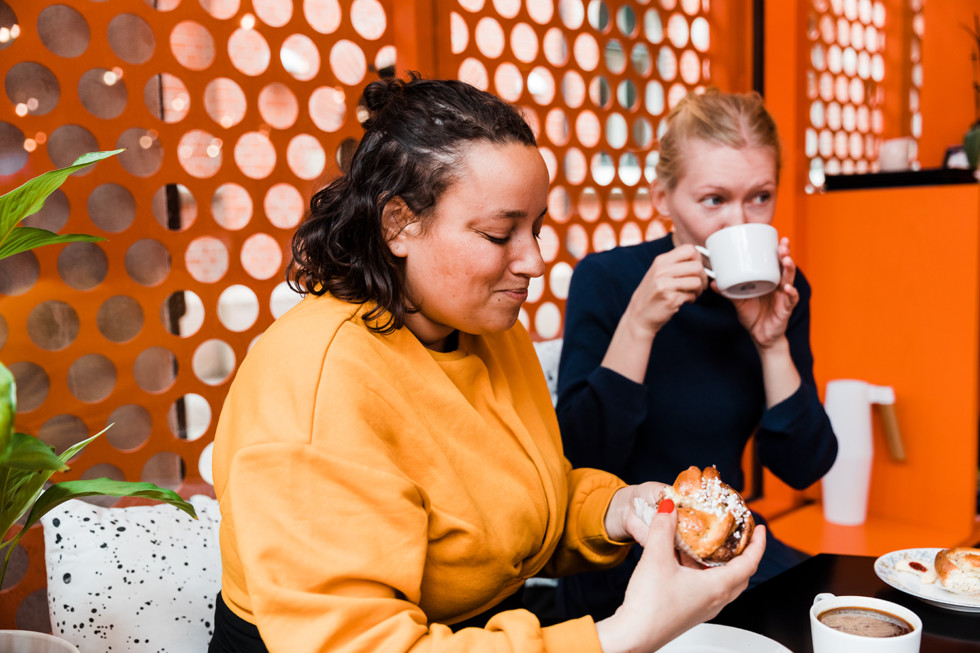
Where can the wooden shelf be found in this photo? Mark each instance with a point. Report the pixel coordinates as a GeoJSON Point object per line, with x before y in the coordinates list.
{"type": "Point", "coordinates": [806, 530]}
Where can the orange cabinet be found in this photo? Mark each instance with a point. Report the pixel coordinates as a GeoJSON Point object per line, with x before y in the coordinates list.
{"type": "Point", "coordinates": [896, 301]}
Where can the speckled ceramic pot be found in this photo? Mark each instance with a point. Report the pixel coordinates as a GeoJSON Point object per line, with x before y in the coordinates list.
{"type": "Point", "coordinates": [28, 641]}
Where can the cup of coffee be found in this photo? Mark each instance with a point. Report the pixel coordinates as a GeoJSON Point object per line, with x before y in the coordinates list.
{"type": "Point", "coordinates": [744, 259]}
{"type": "Point", "coordinates": [861, 624]}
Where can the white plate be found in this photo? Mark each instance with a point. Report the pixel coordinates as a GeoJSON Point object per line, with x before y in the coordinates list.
{"type": "Point", "coordinates": [715, 638]}
{"type": "Point", "coordinates": [910, 584]}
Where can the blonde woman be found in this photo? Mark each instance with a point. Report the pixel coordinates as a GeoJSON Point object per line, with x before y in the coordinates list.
{"type": "Point", "coordinates": [658, 371]}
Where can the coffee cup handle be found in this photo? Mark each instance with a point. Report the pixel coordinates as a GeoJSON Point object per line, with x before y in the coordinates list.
{"type": "Point", "coordinates": [823, 596]}
{"type": "Point", "coordinates": [704, 251]}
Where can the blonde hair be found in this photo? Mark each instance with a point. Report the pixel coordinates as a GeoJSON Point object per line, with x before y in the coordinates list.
{"type": "Point", "coordinates": [734, 119]}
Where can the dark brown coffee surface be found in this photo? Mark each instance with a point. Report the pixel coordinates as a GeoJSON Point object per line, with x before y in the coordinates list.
{"type": "Point", "coordinates": [867, 622]}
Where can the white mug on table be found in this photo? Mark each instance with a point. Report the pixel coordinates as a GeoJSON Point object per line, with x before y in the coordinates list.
{"type": "Point", "coordinates": [827, 639]}
{"type": "Point", "coordinates": [744, 259]}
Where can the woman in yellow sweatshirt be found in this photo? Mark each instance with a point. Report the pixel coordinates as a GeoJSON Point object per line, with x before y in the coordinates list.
{"type": "Point", "coordinates": [388, 462]}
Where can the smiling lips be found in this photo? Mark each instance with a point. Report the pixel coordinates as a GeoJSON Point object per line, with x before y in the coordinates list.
{"type": "Point", "coordinates": [519, 294]}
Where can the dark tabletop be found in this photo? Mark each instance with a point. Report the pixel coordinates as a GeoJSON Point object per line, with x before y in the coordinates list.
{"type": "Point", "coordinates": [780, 607]}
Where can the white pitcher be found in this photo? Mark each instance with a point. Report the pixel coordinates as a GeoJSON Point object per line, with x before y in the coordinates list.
{"type": "Point", "coordinates": [848, 403]}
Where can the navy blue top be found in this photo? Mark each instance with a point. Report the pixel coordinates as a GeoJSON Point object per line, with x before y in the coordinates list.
{"type": "Point", "coordinates": [703, 396]}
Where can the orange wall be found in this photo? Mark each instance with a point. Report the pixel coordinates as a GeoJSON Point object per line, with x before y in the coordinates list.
{"type": "Point", "coordinates": [947, 102]}
{"type": "Point", "coordinates": [896, 277]}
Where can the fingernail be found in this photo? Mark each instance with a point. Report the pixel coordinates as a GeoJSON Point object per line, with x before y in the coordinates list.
{"type": "Point", "coordinates": [666, 506]}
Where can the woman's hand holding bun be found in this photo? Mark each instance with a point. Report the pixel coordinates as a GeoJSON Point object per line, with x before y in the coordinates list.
{"type": "Point", "coordinates": [668, 595]}
{"type": "Point", "coordinates": [665, 597]}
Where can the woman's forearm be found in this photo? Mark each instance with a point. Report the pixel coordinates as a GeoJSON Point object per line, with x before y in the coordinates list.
{"type": "Point", "coordinates": [779, 373]}
{"type": "Point", "coordinates": [629, 350]}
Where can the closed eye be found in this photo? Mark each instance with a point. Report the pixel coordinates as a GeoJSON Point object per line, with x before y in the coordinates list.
{"type": "Point", "coordinates": [496, 240]}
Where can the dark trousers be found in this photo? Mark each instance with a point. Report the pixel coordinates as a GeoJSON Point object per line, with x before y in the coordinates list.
{"type": "Point", "coordinates": [232, 634]}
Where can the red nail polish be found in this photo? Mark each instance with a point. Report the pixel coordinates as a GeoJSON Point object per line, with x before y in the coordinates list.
{"type": "Point", "coordinates": [666, 506]}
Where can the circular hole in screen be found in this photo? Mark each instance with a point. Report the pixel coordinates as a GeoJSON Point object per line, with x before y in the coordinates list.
{"type": "Point", "coordinates": [62, 432]}
{"type": "Point", "coordinates": [225, 103]}
{"type": "Point", "coordinates": [189, 417]}
{"type": "Point", "coordinates": [165, 469]}
{"type": "Point", "coordinates": [119, 318]}
{"type": "Point", "coordinates": [167, 98]}
{"type": "Point", "coordinates": [111, 207]}
{"type": "Point", "coordinates": [82, 266]}
{"type": "Point", "coordinates": [174, 207]}
{"type": "Point", "coordinates": [278, 105]}
{"type": "Point", "coordinates": [102, 93]}
{"type": "Point", "coordinates": [63, 30]}
{"type": "Point", "coordinates": [17, 568]}
{"type": "Point", "coordinates": [53, 215]}
{"type": "Point", "coordinates": [238, 307]}
{"type": "Point", "coordinates": [328, 108]}
{"type": "Point", "coordinates": [155, 369]}
{"type": "Point", "coordinates": [231, 206]}
{"type": "Point", "coordinates": [32, 88]}
{"type": "Point", "coordinates": [91, 378]}
{"type": "Point", "coordinates": [261, 256]}
{"type": "Point", "coordinates": [255, 155]}
{"type": "Point", "coordinates": [198, 57]}
{"type": "Point", "coordinates": [144, 153]}
{"type": "Point", "coordinates": [249, 52]}
{"type": "Point", "coordinates": [300, 57]}
{"type": "Point", "coordinates": [284, 206]}
{"type": "Point", "coordinates": [305, 156]}
{"type": "Point", "coordinates": [52, 325]}
{"type": "Point", "coordinates": [69, 142]}
{"type": "Point", "coordinates": [213, 361]}
{"type": "Point", "coordinates": [347, 62]}
{"type": "Point", "coordinates": [32, 385]}
{"type": "Point", "coordinates": [18, 273]}
{"type": "Point", "coordinates": [131, 38]}
{"type": "Point", "coordinates": [182, 313]}
{"type": "Point", "coordinates": [282, 299]}
{"type": "Point", "coordinates": [206, 259]}
{"type": "Point", "coordinates": [147, 262]}
{"type": "Point", "coordinates": [131, 427]}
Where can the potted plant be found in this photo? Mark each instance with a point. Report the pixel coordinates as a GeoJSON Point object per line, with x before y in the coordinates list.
{"type": "Point", "coordinates": [971, 140]}
{"type": "Point", "coordinates": [27, 463]}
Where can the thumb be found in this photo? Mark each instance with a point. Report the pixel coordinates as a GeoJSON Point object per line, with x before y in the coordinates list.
{"type": "Point", "coordinates": [660, 536]}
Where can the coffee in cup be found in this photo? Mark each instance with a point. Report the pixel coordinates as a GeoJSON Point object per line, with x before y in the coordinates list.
{"type": "Point", "coordinates": [861, 624]}
{"type": "Point", "coordinates": [744, 259]}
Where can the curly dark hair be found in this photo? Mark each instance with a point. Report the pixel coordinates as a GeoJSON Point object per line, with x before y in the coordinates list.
{"type": "Point", "coordinates": [416, 133]}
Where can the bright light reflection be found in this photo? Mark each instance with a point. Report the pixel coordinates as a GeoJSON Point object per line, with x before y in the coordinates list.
{"type": "Point", "coordinates": [248, 21]}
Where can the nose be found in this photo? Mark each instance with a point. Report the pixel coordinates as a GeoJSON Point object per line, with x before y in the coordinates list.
{"type": "Point", "coordinates": [528, 261]}
{"type": "Point", "coordinates": [738, 214]}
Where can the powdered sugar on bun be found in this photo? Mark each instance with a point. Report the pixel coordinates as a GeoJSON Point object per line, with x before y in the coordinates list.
{"type": "Point", "coordinates": [713, 522]}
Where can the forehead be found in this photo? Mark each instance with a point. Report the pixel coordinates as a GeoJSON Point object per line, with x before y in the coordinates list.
{"type": "Point", "coordinates": [705, 162]}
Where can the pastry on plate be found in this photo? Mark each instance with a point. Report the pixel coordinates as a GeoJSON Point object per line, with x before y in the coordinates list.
{"type": "Point", "coordinates": [958, 569]}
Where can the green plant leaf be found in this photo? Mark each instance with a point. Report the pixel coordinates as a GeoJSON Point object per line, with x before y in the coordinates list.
{"type": "Point", "coordinates": [27, 199]}
{"type": "Point", "coordinates": [22, 239]}
{"type": "Point", "coordinates": [32, 455]}
{"type": "Point", "coordinates": [20, 487]}
{"type": "Point", "coordinates": [61, 492]}
{"type": "Point", "coordinates": [8, 406]}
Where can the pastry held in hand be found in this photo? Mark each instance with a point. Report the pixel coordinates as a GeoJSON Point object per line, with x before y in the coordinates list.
{"type": "Point", "coordinates": [958, 569]}
{"type": "Point", "coordinates": [713, 522]}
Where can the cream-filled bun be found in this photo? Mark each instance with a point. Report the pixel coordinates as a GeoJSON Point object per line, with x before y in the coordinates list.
{"type": "Point", "coordinates": [713, 522]}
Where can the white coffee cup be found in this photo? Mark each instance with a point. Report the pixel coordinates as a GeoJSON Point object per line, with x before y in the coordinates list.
{"type": "Point", "coordinates": [831, 640]}
{"type": "Point", "coordinates": [897, 154]}
{"type": "Point", "coordinates": [744, 259]}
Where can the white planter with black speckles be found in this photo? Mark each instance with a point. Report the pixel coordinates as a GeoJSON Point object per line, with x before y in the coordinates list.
{"type": "Point", "coordinates": [28, 641]}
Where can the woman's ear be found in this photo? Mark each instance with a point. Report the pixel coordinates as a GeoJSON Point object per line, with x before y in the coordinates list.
{"type": "Point", "coordinates": [397, 220]}
{"type": "Point", "coordinates": [659, 196]}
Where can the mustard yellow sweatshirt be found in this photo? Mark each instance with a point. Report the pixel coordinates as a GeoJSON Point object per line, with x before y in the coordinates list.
{"type": "Point", "coordinates": [372, 490]}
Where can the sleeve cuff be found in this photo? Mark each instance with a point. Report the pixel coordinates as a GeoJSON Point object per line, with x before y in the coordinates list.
{"type": "Point", "coordinates": [574, 636]}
